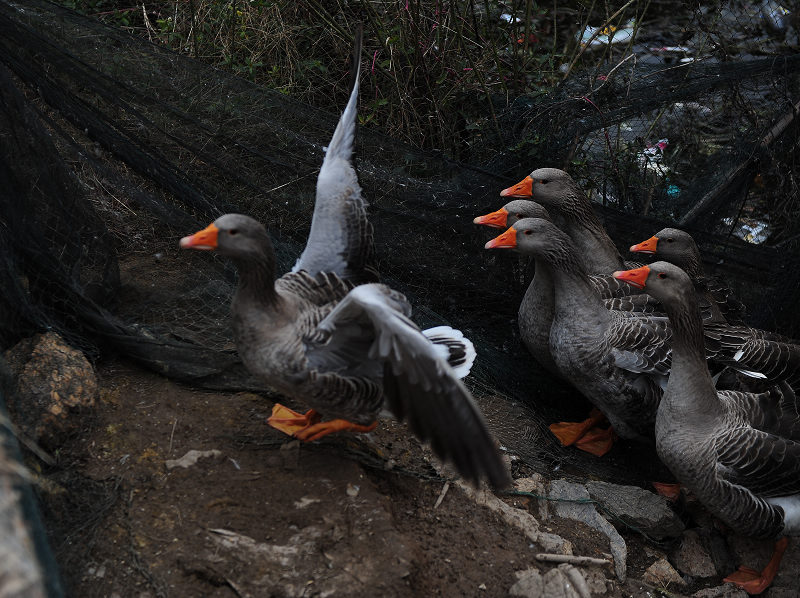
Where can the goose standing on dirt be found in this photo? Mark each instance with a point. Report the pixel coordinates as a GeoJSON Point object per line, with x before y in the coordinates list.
{"type": "Point", "coordinates": [615, 361]}
{"type": "Point", "coordinates": [345, 350]}
{"type": "Point", "coordinates": [739, 453]}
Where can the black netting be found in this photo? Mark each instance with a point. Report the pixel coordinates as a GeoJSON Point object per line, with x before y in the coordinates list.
{"type": "Point", "coordinates": [113, 148]}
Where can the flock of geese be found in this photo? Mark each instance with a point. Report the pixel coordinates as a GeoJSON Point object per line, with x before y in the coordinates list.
{"type": "Point", "coordinates": [649, 345]}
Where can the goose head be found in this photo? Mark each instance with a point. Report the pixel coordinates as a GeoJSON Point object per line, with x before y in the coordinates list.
{"type": "Point", "coordinates": [662, 280]}
{"type": "Point", "coordinates": [548, 186]}
{"type": "Point", "coordinates": [534, 236]}
{"type": "Point", "coordinates": [672, 245]}
{"type": "Point", "coordinates": [512, 212]}
{"type": "Point", "coordinates": [233, 235]}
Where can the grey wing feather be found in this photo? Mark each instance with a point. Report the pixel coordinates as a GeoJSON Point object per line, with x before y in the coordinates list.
{"type": "Point", "coordinates": [418, 384]}
{"type": "Point", "coordinates": [641, 345]}
{"type": "Point", "coordinates": [340, 239]}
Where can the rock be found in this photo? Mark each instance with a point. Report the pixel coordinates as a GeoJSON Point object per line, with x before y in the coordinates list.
{"type": "Point", "coordinates": [529, 584]}
{"type": "Point", "coordinates": [558, 585]}
{"type": "Point", "coordinates": [54, 385]}
{"type": "Point", "coordinates": [576, 578]}
{"type": "Point", "coordinates": [639, 508]}
{"type": "Point", "coordinates": [535, 485]}
{"type": "Point", "coordinates": [662, 574]}
{"type": "Point", "coordinates": [582, 509]}
{"type": "Point", "coordinates": [191, 458]}
{"type": "Point", "coordinates": [691, 557]}
{"type": "Point", "coordinates": [727, 590]}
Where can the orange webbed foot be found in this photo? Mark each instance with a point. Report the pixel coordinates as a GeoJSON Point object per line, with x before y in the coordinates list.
{"type": "Point", "coordinates": [754, 582]}
{"type": "Point", "coordinates": [586, 435]}
{"type": "Point", "coordinates": [290, 422]}
{"type": "Point", "coordinates": [317, 431]}
{"type": "Point", "coordinates": [597, 441]}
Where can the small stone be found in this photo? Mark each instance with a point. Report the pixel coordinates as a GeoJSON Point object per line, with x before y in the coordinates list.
{"type": "Point", "coordinates": [482, 587]}
{"type": "Point", "coordinates": [191, 458]}
{"type": "Point", "coordinates": [558, 585]}
{"type": "Point", "coordinates": [691, 557]}
{"type": "Point", "coordinates": [290, 454]}
{"type": "Point", "coordinates": [662, 574]}
{"type": "Point", "coordinates": [529, 584]}
{"type": "Point", "coordinates": [352, 490]}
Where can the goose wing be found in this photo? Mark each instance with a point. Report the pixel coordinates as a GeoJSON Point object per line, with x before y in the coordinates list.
{"type": "Point", "coordinates": [766, 464]}
{"type": "Point", "coordinates": [641, 345]}
{"type": "Point", "coordinates": [340, 239]}
{"type": "Point", "coordinates": [418, 383]}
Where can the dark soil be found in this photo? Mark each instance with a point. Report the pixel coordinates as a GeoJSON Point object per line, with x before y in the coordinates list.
{"type": "Point", "coordinates": [348, 516]}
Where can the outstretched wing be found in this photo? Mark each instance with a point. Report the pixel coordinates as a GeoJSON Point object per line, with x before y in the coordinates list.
{"type": "Point", "coordinates": [340, 240]}
{"type": "Point", "coordinates": [418, 383]}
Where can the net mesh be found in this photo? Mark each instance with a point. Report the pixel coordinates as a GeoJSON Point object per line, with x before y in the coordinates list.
{"type": "Point", "coordinates": [113, 148]}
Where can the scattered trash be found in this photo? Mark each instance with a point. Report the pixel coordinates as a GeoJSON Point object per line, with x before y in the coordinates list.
{"type": "Point", "coordinates": [652, 156]}
{"type": "Point", "coordinates": [352, 490]}
{"type": "Point", "coordinates": [509, 18]}
{"type": "Point", "coordinates": [775, 16]}
{"type": "Point", "coordinates": [749, 229]}
{"type": "Point", "coordinates": [191, 458]}
{"type": "Point", "coordinates": [608, 35]}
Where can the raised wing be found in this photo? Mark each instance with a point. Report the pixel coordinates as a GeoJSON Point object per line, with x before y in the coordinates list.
{"type": "Point", "coordinates": [340, 239]}
{"type": "Point", "coordinates": [418, 383]}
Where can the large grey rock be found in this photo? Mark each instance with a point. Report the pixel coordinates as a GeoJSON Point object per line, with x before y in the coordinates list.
{"type": "Point", "coordinates": [692, 558]}
{"type": "Point", "coordinates": [638, 508]}
{"type": "Point", "coordinates": [572, 501]}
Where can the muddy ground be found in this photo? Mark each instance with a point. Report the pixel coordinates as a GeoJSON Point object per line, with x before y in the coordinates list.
{"type": "Point", "coordinates": [347, 516]}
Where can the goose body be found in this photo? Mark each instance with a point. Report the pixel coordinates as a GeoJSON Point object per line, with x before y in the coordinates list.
{"type": "Point", "coordinates": [739, 453]}
{"type": "Point", "coordinates": [330, 337]}
{"type": "Point", "coordinates": [587, 341]}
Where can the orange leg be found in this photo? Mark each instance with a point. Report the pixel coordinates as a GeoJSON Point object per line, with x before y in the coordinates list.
{"type": "Point", "coordinates": [319, 430]}
{"type": "Point", "coordinates": [755, 582]}
{"type": "Point", "coordinates": [586, 435]}
{"type": "Point", "coordinates": [289, 422]}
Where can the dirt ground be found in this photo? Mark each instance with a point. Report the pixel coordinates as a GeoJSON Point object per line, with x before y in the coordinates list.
{"type": "Point", "coordinates": [347, 516]}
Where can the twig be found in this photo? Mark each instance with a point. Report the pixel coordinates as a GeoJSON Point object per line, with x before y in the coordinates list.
{"type": "Point", "coordinates": [172, 435]}
{"type": "Point", "coordinates": [442, 494]}
{"type": "Point", "coordinates": [571, 559]}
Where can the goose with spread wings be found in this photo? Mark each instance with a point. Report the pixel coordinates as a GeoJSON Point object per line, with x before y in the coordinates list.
{"type": "Point", "coordinates": [329, 336]}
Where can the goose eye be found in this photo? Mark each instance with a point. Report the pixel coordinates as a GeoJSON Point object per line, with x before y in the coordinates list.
{"type": "Point", "coordinates": [662, 275]}
{"type": "Point", "coordinates": [544, 181]}
{"type": "Point", "coordinates": [233, 232]}
{"type": "Point", "coordinates": [528, 231]}
{"type": "Point", "coordinates": [670, 240]}
{"type": "Point", "coordinates": [519, 216]}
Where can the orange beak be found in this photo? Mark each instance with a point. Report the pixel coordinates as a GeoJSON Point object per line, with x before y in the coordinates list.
{"type": "Point", "coordinates": [496, 219]}
{"type": "Point", "coordinates": [205, 239]}
{"type": "Point", "coordinates": [648, 246]}
{"type": "Point", "coordinates": [522, 189]}
{"type": "Point", "coordinates": [636, 277]}
{"type": "Point", "coordinates": [507, 240]}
